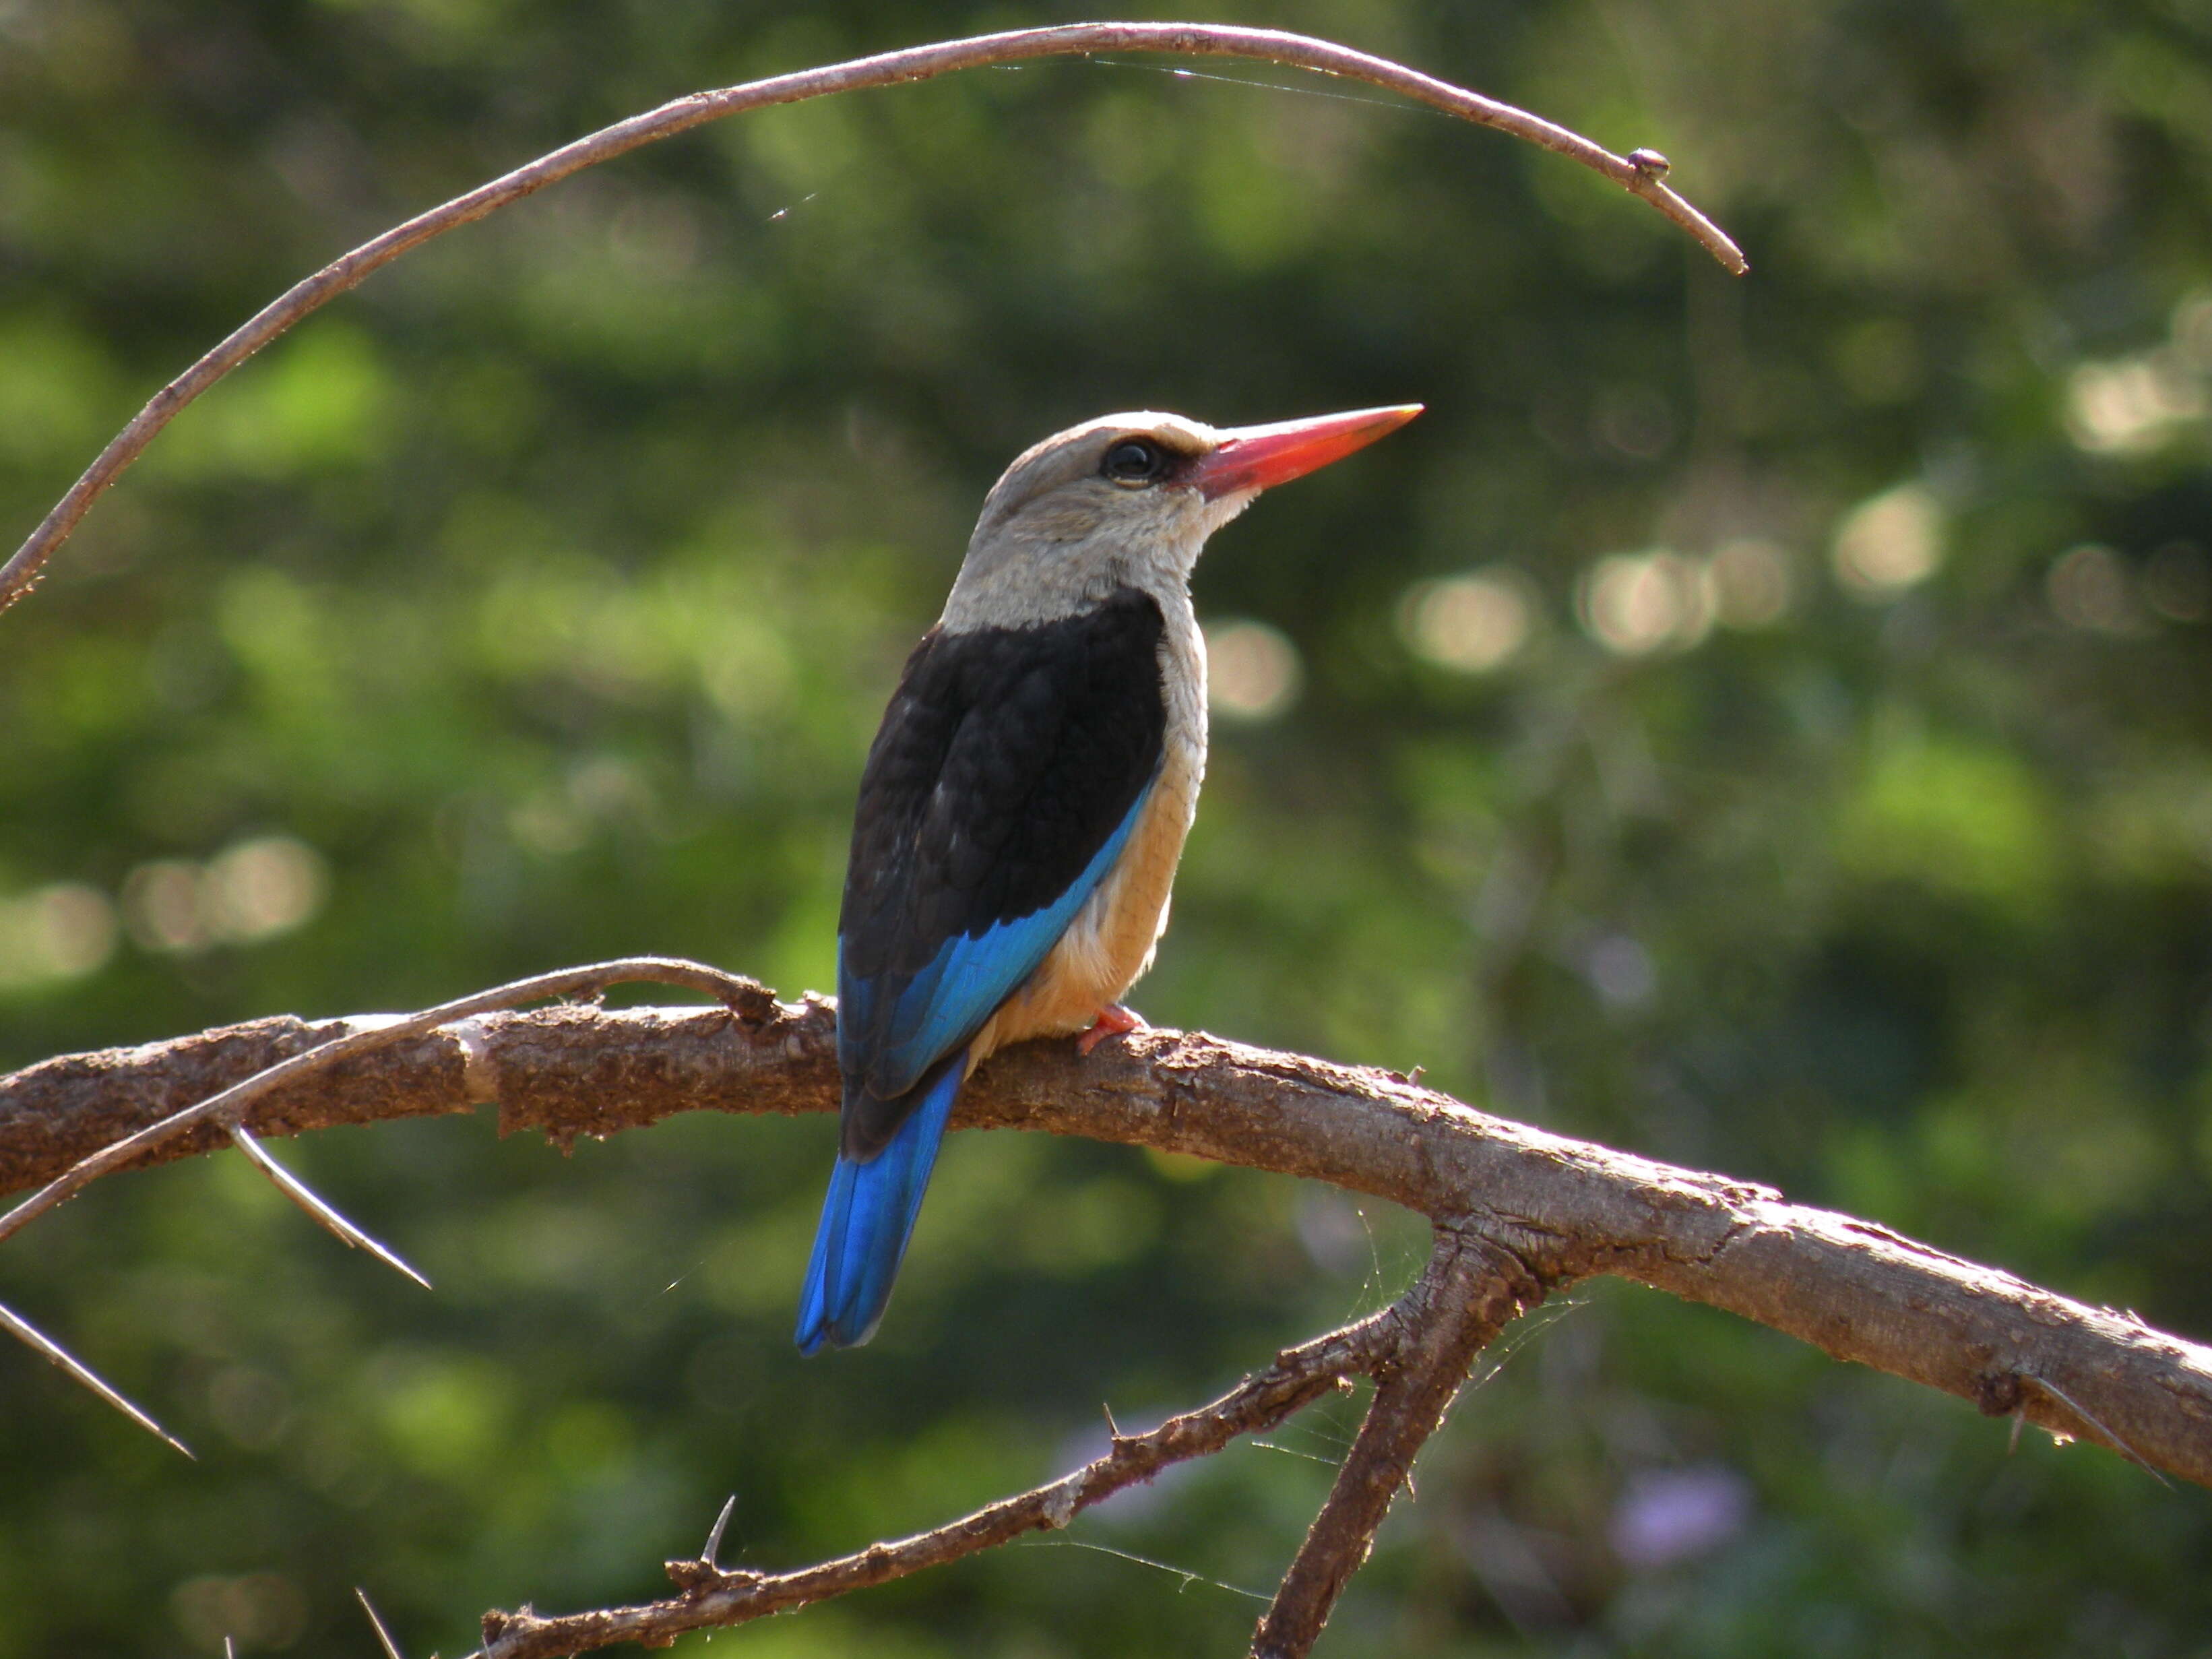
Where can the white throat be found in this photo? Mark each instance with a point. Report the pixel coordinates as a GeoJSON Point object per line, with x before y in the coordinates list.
{"type": "Point", "coordinates": [1021, 576]}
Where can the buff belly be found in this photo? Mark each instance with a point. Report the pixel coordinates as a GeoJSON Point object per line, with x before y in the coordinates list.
{"type": "Point", "coordinates": [1110, 945]}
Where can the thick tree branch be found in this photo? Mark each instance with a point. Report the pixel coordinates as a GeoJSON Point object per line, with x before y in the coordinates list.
{"type": "Point", "coordinates": [1642, 174]}
{"type": "Point", "coordinates": [226, 1110]}
{"type": "Point", "coordinates": [1518, 1212]}
{"type": "Point", "coordinates": [1563, 1209]}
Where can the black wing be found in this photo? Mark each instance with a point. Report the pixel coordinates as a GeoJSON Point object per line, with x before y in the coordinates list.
{"type": "Point", "coordinates": [1008, 761]}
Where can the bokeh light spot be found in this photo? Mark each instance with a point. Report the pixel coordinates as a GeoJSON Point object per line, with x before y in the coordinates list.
{"type": "Point", "coordinates": [1748, 584]}
{"type": "Point", "coordinates": [2178, 583]}
{"type": "Point", "coordinates": [1253, 672]}
{"type": "Point", "coordinates": [162, 908]}
{"type": "Point", "coordinates": [1472, 623]}
{"type": "Point", "coordinates": [265, 887]}
{"type": "Point", "coordinates": [1889, 543]}
{"type": "Point", "coordinates": [254, 890]}
{"type": "Point", "coordinates": [62, 931]}
{"type": "Point", "coordinates": [1633, 421]}
{"type": "Point", "coordinates": [254, 1611]}
{"type": "Point", "coordinates": [1621, 971]}
{"type": "Point", "coordinates": [2088, 588]}
{"type": "Point", "coordinates": [1638, 603]}
{"type": "Point", "coordinates": [2131, 406]}
{"type": "Point", "coordinates": [1667, 1516]}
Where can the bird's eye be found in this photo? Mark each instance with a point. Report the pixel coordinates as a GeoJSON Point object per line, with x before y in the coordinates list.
{"type": "Point", "coordinates": [1134, 462]}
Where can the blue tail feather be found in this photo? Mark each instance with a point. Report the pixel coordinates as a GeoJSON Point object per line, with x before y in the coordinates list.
{"type": "Point", "coordinates": [866, 1219]}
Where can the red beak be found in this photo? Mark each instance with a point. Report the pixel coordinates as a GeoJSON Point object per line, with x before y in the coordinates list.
{"type": "Point", "coordinates": [1260, 456]}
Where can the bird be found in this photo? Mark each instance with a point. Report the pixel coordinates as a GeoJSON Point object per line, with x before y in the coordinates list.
{"type": "Point", "coordinates": [1025, 801]}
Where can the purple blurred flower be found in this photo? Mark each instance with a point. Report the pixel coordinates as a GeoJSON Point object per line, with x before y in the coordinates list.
{"type": "Point", "coordinates": [1666, 1516]}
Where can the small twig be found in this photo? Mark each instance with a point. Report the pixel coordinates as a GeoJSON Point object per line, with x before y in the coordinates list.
{"type": "Point", "coordinates": [1298, 1376]}
{"type": "Point", "coordinates": [298, 1191]}
{"type": "Point", "coordinates": [21, 1328]}
{"type": "Point", "coordinates": [1464, 1298]}
{"type": "Point", "coordinates": [710, 1555]}
{"type": "Point", "coordinates": [1639, 178]}
{"type": "Point", "coordinates": [383, 1636]}
{"type": "Point", "coordinates": [229, 1106]}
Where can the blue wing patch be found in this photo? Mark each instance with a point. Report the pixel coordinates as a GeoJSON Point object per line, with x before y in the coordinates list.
{"type": "Point", "coordinates": [944, 1004]}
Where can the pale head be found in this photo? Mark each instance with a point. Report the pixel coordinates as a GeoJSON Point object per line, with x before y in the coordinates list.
{"type": "Point", "coordinates": [1128, 500]}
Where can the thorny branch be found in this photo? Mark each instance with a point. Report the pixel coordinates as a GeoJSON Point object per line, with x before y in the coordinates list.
{"type": "Point", "coordinates": [224, 1110]}
{"type": "Point", "coordinates": [1471, 1292]}
{"type": "Point", "coordinates": [227, 1108]}
{"type": "Point", "coordinates": [1642, 172]}
{"type": "Point", "coordinates": [1419, 1350]}
{"type": "Point", "coordinates": [1518, 1212]}
{"type": "Point", "coordinates": [711, 1597]}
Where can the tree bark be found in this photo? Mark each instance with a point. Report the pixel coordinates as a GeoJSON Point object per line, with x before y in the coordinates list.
{"type": "Point", "coordinates": [1562, 1208]}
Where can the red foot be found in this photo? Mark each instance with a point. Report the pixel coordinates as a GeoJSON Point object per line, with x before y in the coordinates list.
{"type": "Point", "coordinates": [1114, 1020]}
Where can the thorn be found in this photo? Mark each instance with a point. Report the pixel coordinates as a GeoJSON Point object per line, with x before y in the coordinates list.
{"type": "Point", "coordinates": [2118, 1444]}
{"type": "Point", "coordinates": [383, 1636]}
{"type": "Point", "coordinates": [715, 1535]}
{"type": "Point", "coordinates": [2012, 1440]}
{"type": "Point", "coordinates": [1112, 1429]}
{"type": "Point", "coordinates": [23, 1330]}
{"type": "Point", "coordinates": [296, 1189]}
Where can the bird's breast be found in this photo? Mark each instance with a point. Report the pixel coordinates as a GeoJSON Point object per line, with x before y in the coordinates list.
{"type": "Point", "coordinates": [1110, 944]}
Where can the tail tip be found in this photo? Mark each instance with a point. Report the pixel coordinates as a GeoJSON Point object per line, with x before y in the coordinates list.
{"type": "Point", "coordinates": [816, 1331]}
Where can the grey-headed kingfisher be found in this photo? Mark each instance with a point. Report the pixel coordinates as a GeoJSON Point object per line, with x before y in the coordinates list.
{"type": "Point", "coordinates": [1023, 807]}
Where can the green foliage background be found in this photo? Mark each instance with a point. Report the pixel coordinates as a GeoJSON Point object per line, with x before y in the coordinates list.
{"type": "Point", "coordinates": [537, 602]}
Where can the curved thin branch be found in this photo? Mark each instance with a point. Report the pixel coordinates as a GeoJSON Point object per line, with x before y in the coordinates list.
{"type": "Point", "coordinates": [1641, 173]}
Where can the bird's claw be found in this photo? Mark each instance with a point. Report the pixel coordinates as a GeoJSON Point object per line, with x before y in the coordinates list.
{"type": "Point", "coordinates": [1114, 1020]}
